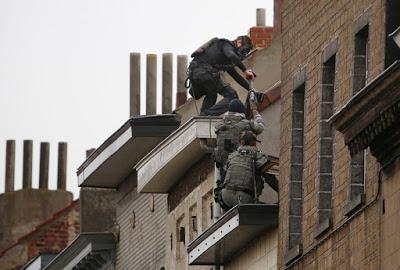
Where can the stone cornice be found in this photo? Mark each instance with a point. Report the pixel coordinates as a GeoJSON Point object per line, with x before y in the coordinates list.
{"type": "Point", "coordinates": [371, 113]}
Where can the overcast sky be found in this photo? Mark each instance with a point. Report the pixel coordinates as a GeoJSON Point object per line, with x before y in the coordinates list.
{"type": "Point", "coordinates": [64, 65]}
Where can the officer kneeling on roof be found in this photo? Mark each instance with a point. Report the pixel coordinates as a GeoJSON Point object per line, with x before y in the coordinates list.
{"type": "Point", "coordinates": [204, 72]}
{"type": "Point", "coordinates": [243, 182]}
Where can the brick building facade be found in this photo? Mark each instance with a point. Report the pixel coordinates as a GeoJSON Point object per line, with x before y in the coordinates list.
{"type": "Point", "coordinates": [331, 213]}
{"type": "Point", "coordinates": [49, 237]}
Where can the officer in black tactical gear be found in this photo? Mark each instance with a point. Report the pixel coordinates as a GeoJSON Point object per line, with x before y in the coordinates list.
{"type": "Point", "coordinates": [243, 181]}
{"type": "Point", "coordinates": [204, 72]}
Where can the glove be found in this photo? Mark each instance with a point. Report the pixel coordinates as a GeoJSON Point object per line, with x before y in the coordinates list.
{"type": "Point", "coordinates": [249, 74]}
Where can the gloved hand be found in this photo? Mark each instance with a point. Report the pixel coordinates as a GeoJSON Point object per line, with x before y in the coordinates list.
{"type": "Point", "coordinates": [249, 74]}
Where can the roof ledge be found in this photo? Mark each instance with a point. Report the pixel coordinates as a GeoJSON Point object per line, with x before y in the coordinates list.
{"type": "Point", "coordinates": [373, 114]}
{"type": "Point", "coordinates": [115, 159]}
{"type": "Point", "coordinates": [162, 168]}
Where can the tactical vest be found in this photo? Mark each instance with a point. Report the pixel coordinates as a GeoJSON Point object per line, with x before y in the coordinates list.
{"type": "Point", "coordinates": [228, 136]}
{"type": "Point", "coordinates": [240, 173]}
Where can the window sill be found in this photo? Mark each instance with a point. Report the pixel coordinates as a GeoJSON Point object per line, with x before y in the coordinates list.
{"type": "Point", "coordinates": [322, 227]}
{"type": "Point", "coordinates": [293, 253]}
{"type": "Point", "coordinates": [353, 204]}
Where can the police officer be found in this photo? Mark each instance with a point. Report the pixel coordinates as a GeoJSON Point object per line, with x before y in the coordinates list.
{"type": "Point", "coordinates": [228, 130]}
{"type": "Point", "coordinates": [243, 183]}
{"type": "Point", "coordinates": [205, 69]}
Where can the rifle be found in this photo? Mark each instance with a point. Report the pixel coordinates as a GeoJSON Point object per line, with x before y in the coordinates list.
{"type": "Point", "coordinates": [252, 96]}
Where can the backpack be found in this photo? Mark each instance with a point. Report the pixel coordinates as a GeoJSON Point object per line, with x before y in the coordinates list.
{"type": "Point", "coordinates": [204, 47]}
{"type": "Point", "coordinates": [228, 135]}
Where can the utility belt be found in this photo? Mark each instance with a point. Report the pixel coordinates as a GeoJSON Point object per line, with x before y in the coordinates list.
{"type": "Point", "coordinates": [245, 190]}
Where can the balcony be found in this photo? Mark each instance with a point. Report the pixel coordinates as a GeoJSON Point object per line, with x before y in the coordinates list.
{"type": "Point", "coordinates": [162, 168]}
{"type": "Point", "coordinates": [87, 251]}
{"type": "Point", "coordinates": [231, 233]}
{"type": "Point", "coordinates": [114, 160]}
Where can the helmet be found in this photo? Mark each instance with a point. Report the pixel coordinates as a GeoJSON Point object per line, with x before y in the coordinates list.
{"type": "Point", "coordinates": [246, 46]}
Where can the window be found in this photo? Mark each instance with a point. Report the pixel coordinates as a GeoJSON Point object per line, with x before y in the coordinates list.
{"type": "Point", "coordinates": [180, 238]}
{"type": "Point", "coordinates": [326, 145]}
{"type": "Point", "coordinates": [296, 164]}
{"type": "Point", "coordinates": [193, 228]}
{"type": "Point", "coordinates": [207, 210]}
{"type": "Point", "coordinates": [357, 164]}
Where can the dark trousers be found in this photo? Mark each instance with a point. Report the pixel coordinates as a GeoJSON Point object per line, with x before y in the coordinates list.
{"type": "Point", "coordinates": [206, 81]}
{"type": "Point", "coordinates": [210, 108]}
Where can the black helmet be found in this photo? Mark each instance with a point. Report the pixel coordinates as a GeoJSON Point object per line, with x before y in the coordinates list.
{"type": "Point", "coordinates": [246, 46]}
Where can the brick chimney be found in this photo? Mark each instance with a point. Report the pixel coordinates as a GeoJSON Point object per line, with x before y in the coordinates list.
{"type": "Point", "coordinates": [260, 34]}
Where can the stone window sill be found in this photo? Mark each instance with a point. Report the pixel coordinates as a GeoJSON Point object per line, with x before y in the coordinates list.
{"type": "Point", "coordinates": [322, 227]}
{"type": "Point", "coordinates": [353, 204]}
{"type": "Point", "coordinates": [293, 253]}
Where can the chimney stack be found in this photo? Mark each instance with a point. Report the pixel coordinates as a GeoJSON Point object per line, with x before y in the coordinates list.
{"type": "Point", "coordinates": [261, 35]}
{"type": "Point", "coordinates": [151, 84]}
{"type": "Point", "coordinates": [10, 166]}
{"type": "Point", "coordinates": [27, 164]}
{"type": "Point", "coordinates": [134, 85]}
{"type": "Point", "coordinates": [44, 165]}
{"type": "Point", "coordinates": [62, 166]}
{"type": "Point", "coordinates": [260, 17]}
{"type": "Point", "coordinates": [181, 95]}
{"type": "Point", "coordinates": [166, 83]}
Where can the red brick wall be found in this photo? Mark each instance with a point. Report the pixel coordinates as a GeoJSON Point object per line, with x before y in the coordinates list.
{"type": "Point", "coordinates": [57, 235]}
{"type": "Point", "coordinates": [52, 236]}
{"type": "Point", "coordinates": [261, 36]}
